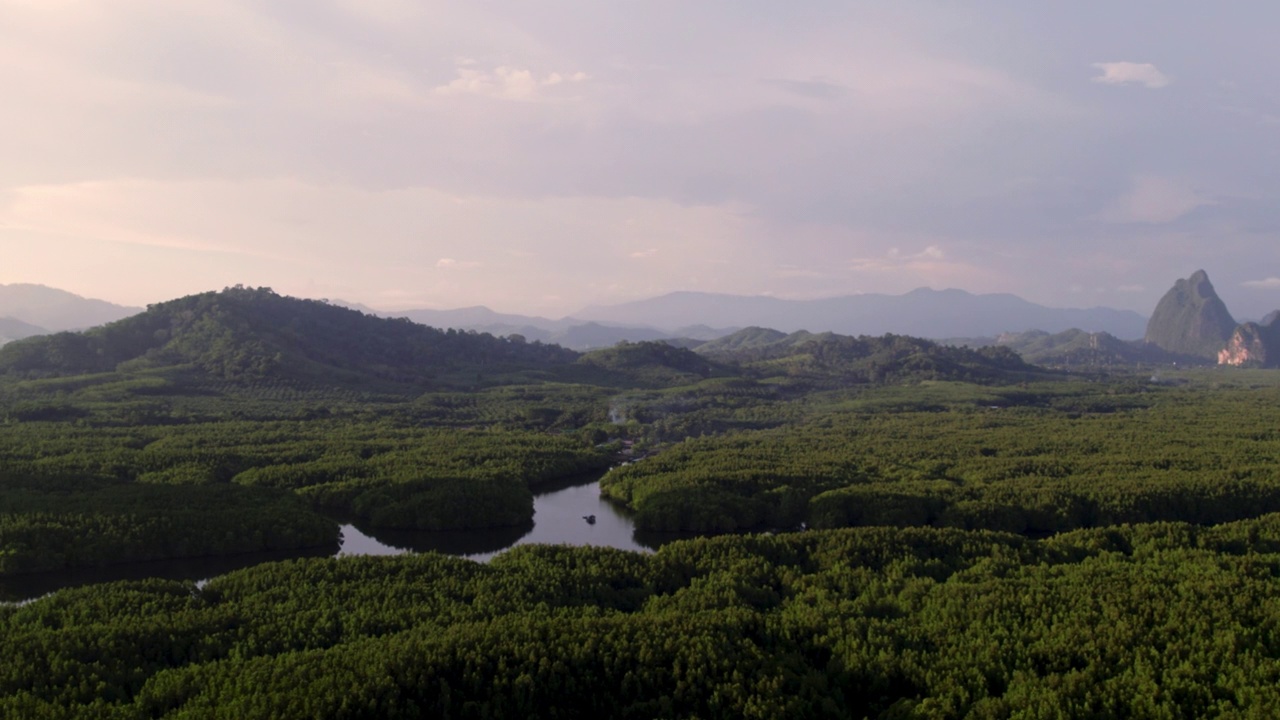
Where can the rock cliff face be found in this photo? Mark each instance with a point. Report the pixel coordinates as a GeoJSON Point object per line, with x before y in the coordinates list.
{"type": "Point", "coordinates": [1191, 319]}
{"type": "Point", "coordinates": [1254, 344]}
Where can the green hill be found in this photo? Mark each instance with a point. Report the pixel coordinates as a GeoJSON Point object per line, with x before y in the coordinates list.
{"type": "Point", "coordinates": [1077, 348]}
{"type": "Point", "coordinates": [646, 364]}
{"type": "Point", "coordinates": [250, 334]}
{"type": "Point", "coordinates": [746, 339]}
{"type": "Point", "coordinates": [889, 358]}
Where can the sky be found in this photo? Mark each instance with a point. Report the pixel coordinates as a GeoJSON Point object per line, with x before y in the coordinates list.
{"type": "Point", "coordinates": [541, 157]}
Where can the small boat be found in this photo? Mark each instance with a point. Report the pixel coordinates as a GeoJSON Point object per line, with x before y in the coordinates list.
{"type": "Point", "coordinates": [591, 519]}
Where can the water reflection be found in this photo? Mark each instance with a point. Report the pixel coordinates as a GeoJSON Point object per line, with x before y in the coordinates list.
{"type": "Point", "coordinates": [560, 509]}
{"type": "Point", "coordinates": [359, 539]}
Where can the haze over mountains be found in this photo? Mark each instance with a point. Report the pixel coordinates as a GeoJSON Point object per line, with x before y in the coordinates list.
{"type": "Point", "coordinates": [34, 309]}
{"type": "Point", "coordinates": [690, 315]}
{"type": "Point", "coordinates": [569, 332]}
{"type": "Point", "coordinates": [251, 337]}
{"type": "Point", "coordinates": [920, 313]}
{"type": "Point", "coordinates": [14, 329]}
{"type": "Point", "coordinates": [1191, 325]}
{"type": "Point", "coordinates": [705, 316]}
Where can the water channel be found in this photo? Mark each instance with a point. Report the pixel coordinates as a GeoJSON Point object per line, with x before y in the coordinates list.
{"type": "Point", "coordinates": [560, 515]}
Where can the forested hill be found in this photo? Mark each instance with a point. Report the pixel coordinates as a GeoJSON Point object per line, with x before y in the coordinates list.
{"type": "Point", "coordinates": [1077, 348]}
{"type": "Point", "coordinates": [885, 359]}
{"type": "Point", "coordinates": [248, 333]}
{"type": "Point", "coordinates": [648, 364]}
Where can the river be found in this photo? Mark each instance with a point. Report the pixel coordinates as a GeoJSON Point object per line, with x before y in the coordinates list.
{"type": "Point", "coordinates": [560, 512]}
{"type": "Point", "coordinates": [560, 515]}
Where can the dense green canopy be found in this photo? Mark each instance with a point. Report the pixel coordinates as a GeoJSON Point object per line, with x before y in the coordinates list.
{"type": "Point", "coordinates": [1165, 620]}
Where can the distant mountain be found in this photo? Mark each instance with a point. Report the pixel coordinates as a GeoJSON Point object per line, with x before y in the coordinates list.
{"type": "Point", "coordinates": [1254, 344]}
{"type": "Point", "coordinates": [477, 317]}
{"type": "Point", "coordinates": [353, 306]}
{"type": "Point", "coordinates": [567, 332]}
{"type": "Point", "coordinates": [246, 333]}
{"type": "Point", "coordinates": [594, 335]}
{"type": "Point", "coordinates": [55, 310]}
{"type": "Point", "coordinates": [1191, 319]}
{"type": "Point", "coordinates": [922, 312]}
{"type": "Point", "coordinates": [13, 329]}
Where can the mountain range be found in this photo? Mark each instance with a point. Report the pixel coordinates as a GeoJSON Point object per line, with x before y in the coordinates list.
{"type": "Point", "coordinates": [696, 316]}
{"type": "Point", "coordinates": [1190, 326]}
{"type": "Point", "coordinates": [249, 336]}
{"type": "Point", "coordinates": [684, 317]}
{"type": "Point", "coordinates": [48, 309]}
{"type": "Point", "coordinates": [920, 313]}
{"type": "Point", "coordinates": [255, 333]}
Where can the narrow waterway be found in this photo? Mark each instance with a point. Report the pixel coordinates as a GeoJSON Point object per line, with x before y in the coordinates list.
{"type": "Point", "coordinates": [569, 512]}
{"type": "Point", "coordinates": [561, 511]}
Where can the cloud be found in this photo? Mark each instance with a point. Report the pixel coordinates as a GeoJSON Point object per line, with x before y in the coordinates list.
{"type": "Point", "coordinates": [506, 82]}
{"type": "Point", "coordinates": [932, 266]}
{"type": "Point", "coordinates": [359, 142]}
{"type": "Point", "coordinates": [102, 212]}
{"type": "Point", "coordinates": [931, 256]}
{"type": "Point", "coordinates": [932, 252]}
{"type": "Point", "coordinates": [1155, 199]}
{"type": "Point", "coordinates": [444, 263]}
{"type": "Point", "coordinates": [795, 271]}
{"type": "Point", "coordinates": [404, 247]}
{"type": "Point", "coordinates": [1270, 283]}
{"type": "Point", "coordinates": [1124, 73]}
{"type": "Point", "coordinates": [648, 252]}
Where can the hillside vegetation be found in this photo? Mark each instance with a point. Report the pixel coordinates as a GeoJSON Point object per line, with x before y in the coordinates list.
{"type": "Point", "coordinates": [1079, 349]}
{"type": "Point", "coordinates": [828, 357]}
{"type": "Point", "coordinates": [254, 334]}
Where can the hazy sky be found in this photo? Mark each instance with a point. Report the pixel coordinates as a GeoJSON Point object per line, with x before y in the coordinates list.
{"type": "Point", "coordinates": [537, 157]}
